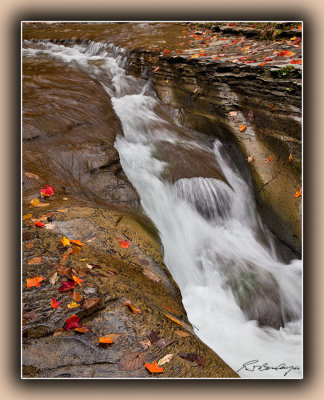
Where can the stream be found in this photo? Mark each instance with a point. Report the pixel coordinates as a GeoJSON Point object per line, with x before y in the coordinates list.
{"type": "Point", "coordinates": [237, 291]}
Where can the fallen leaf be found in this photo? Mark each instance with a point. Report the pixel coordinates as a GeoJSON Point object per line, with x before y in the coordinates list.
{"type": "Point", "coordinates": [114, 336]}
{"type": "Point", "coordinates": [66, 285]}
{"type": "Point", "coordinates": [242, 128]}
{"type": "Point", "coordinates": [34, 201]}
{"type": "Point", "coordinates": [111, 273]}
{"type": "Point", "coordinates": [55, 303]}
{"type": "Point", "coordinates": [64, 271]}
{"type": "Point", "coordinates": [73, 304]}
{"type": "Point", "coordinates": [105, 339]}
{"type": "Point", "coordinates": [188, 356]}
{"type": "Point", "coordinates": [195, 56]}
{"type": "Point", "coordinates": [298, 193]}
{"type": "Point", "coordinates": [173, 319]}
{"type": "Point", "coordinates": [77, 242]}
{"type": "Point", "coordinates": [76, 296]}
{"type": "Point", "coordinates": [35, 261]}
{"type": "Point", "coordinates": [76, 249]}
{"type": "Point", "coordinates": [146, 344]}
{"type": "Point", "coordinates": [151, 276]}
{"type": "Point", "coordinates": [154, 336]}
{"type": "Point", "coordinates": [285, 53]}
{"type": "Point", "coordinates": [65, 198]}
{"type": "Point", "coordinates": [40, 224]}
{"type": "Point", "coordinates": [172, 310]}
{"type": "Point", "coordinates": [182, 333]}
{"type": "Point", "coordinates": [65, 241]}
{"type": "Point", "coordinates": [154, 368]}
{"type": "Point", "coordinates": [58, 332]}
{"type": "Point", "coordinates": [27, 216]}
{"type": "Point", "coordinates": [52, 278]}
{"type": "Point", "coordinates": [165, 359]}
{"type": "Point", "coordinates": [156, 69]}
{"type": "Point", "coordinates": [62, 209]}
{"type": "Point", "coordinates": [31, 175]}
{"type": "Point", "coordinates": [250, 159]}
{"type": "Point", "coordinates": [88, 303]}
{"type": "Point", "coordinates": [124, 244]}
{"type": "Point", "coordinates": [131, 361]}
{"type": "Point", "coordinates": [296, 62]}
{"type": "Point", "coordinates": [72, 322]}
{"type": "Point", "coordinates": [48, 190]}
{"type": "Point", "coordinates": [134, 309]}
{"type": "Point", "coordinates": [30, 315]}
{"type": "Point", "coordinates": [268, 159]}
{"type": "Point", "coordinates": [195, 91]}
{"type": "Point", "coordinates": [42, 204]}
{"type": "Point", "coordinates": [34, 281]}
{"type": "Point", "coordinates": [290, 157]}
{"type": "Point", "coordinates": [77, 280]}
{"type": "Point", "coordinates": [272, 107]}
{"type": "Point", "coordinates": [163, 343]}
{"type": "Point", "coordinates": [233, 114]}
{"type": "Point", "coordinates": [82, 329]}
{"type": "Point", "coordinates": [29, 245]}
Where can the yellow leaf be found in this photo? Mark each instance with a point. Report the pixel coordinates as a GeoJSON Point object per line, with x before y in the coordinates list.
{"type": "Point", "coordinates": [73, 305]}
{"type": "Point", "coordinates": [77, 242]}
{"type": "Point", "coordinates": [173, 319]}
{"type": "Point", "coordinates": [290, 157]}
{"type": "Point", "coordinates": [27, 216]}
{"type": "Point", "coordinates": [34, 201]}
{"type": "Point", "coordinates": [65, 241]}
{"type": "Point", "coordinates": [195, 56]}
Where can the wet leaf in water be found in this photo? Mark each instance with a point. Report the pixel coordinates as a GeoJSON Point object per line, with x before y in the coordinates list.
{"type": "Point", "coordinates": [131, 361]}
{"type": "Point", "coordinates": [165, 359]}
{"type": "Point", "coordinates": [163, 343]}
{"type": "Point", "coordinates": [193, 357]}
{"type": "Point", "coordinates": [171, 310]}
{"type": "Point", "coordinates": [154, 336]}
{"type": "Point", "coordinates": [55, 303]}
{"type": "Point", "coordinates": [34, 281]}
{"type": "Point", "coordinates": [82, 329]}
{"type": "Point", "coordinates": [66, 285]}
{"type": "Point", "coordinates": [272, 107]}
{"type": "Point", "coordinates": [290, 157]}
{"type": "Point", "coordinates": [88, 303]}
{"type": "Point", "coordinates": [154, 368]}
{"type": "Point", "coordinates": [31, 175]}
{"type": "Point", "coordinates": [135, 310]}
{"type": "Point", "coordinates": [269, 158]}
{"type": "Point", "coordinates": [58, 332]}
{"type": "Point", "coordinates": [34, 201]}
{"type": "Point", "coordinates": [35, 261]}
{"type": "Point", "coordinates": [173, 319]}
{"type": "Point", "coordinates": [105, 339]}
{"type": "Point", "coordinates": [39, 224]}
{"type": "Point", "coordinates": [64, 271]}
{"type": "Point", "coordinates": [242, 128]}
{"type": "Point", "coordinates": [182, 333]}
{"type": "Point", "coordinates": [65, 241]}
{"type": "Point", "coordinates": [76, 296]}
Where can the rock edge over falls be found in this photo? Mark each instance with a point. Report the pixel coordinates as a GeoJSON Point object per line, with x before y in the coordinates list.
{"type": "Point", "coordinates": [68, 141]}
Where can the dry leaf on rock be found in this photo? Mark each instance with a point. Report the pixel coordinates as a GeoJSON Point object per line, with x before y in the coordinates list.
{"type": "Point", "coordinates": [76, 296]}
{"type": "Point", "coordinates": [182, 333]}
{"type": "Point", "coordinates": [52, 278]}
{"type": "Point", "coordinates": [31, 175]}
{"type": "Point", "coordinates": [34, 281]}
{"type": "Point", "coordinates": [131, 361]}
{"type": "Point", "coordinates": [88, 303]}
{"type": "Point", "coordinates": [165, 359]}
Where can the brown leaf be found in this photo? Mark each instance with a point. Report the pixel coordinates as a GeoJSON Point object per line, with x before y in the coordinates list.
{"type": "Point", "coordinates": [182, 333]}
{"type": "Point", "coordinates": [88, 303]}
{"type": "Point", "coordinates": [30, 315]}
{"type": "Point", "coordinates": [111, 272]}
{"type": "Point", "coordinates": [64, 271]}
{"type": "Point", "coordinates": [131, 361]}
{"type": "Point", "coordinates": [193, 357]}
{"type": "Point", "coordinates": [163, 343]}
{"type": "Point", "coordinates": [151, 276]}
{"type": "Point", "coordinates": [29, 245]}
{"type": "Point", "coordinates": [31, 175]}
{"type": "Point", "coordinates": [35, 261]}
{"type": "Point", "coordinates": [146, 344]}
{"type": "Point", "coordinates": [82, 329]}
{"type": "Point", "coordinates": [76, 296]}
{"type": "Point", "coordinates": [153, 336]}
{"type": "Point", "coordinates": [171, 310]}
{"type": "Point", "coordinates": [135, 310]}
{"type": "Point", "coordinates": [58, 332]}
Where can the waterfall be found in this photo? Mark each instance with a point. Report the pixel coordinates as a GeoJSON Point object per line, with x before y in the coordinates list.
{"type": "Point", "coordinates": [243, 300]}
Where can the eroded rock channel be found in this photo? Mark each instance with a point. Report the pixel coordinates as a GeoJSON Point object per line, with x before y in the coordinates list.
{"type": "Point", "coordinates": [99, 106]}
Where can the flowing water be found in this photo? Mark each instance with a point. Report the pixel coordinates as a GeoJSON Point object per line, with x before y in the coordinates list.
{"type": "Point", "coordinates": [215, 246]}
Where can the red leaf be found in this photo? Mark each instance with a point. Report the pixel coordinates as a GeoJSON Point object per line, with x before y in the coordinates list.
{"type": "Point", "coordinates": [55, 303]}
{"type": "Point", "coordinates": [40, 224]}
{"type": "Point", "coordinates": [124, 244]}
{"type": "Point", "coordinates": [297, 41]}
{"type": "Point", "coordinates": [66, 285]}
{"type": "Point", "coordinates": [48, 190]}
{"type": "Point", "coordinates": [72, 322]}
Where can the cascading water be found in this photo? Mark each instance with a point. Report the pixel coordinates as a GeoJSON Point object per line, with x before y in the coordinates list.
{"type": "Point", "coordinates": [215, 245]}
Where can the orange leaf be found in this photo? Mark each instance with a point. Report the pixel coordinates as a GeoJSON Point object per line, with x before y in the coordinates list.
{"type": "Point", "coordinates": [65, 241]}
{"type": "Point", "coordinates": [182, 333]}
{"type": "Point", "coordinates": [40, 224]}
{"type": "Point", "coordinates": [154, 368]}
{"type": "Point", "coordinates": [77, 280]}
{"type": "Point", "coordinates": [105, 339]}
{"type": "Point", "coordinates": [173, 319]}
{"type": "Point", "coordinates": [290, 157]}
{"type": "Point", "coordinates": [34, 201]}
{"type": "Point", "coordinates": [82, 329]}
{"type": "Point", "coordinates": [242, 128]}
{"type": "Point", "coordinates": [27, 216]}
{"type": "Point", "coordinates": [34, 281]}
{"type": "Point", "coordinates": [124, 244]}
{"type": "Point", "coordinates": [35, 261]}
{"type": "Point", "coordinates": [156, 69]}
{"type": "Point", "coordinates": [31, 175]}
{"type": "Point", "coordinates": [77, 242]}
{"type": "Point", "coordinates": [134, 309]}
{"type": "Point", "coordinates": [298, 193]}
{"type": "Point", "coordinates": [268, 159]}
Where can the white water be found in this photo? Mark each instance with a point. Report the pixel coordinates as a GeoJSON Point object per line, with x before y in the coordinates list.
{"type": "Point", "coordinates": [203, 255]}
